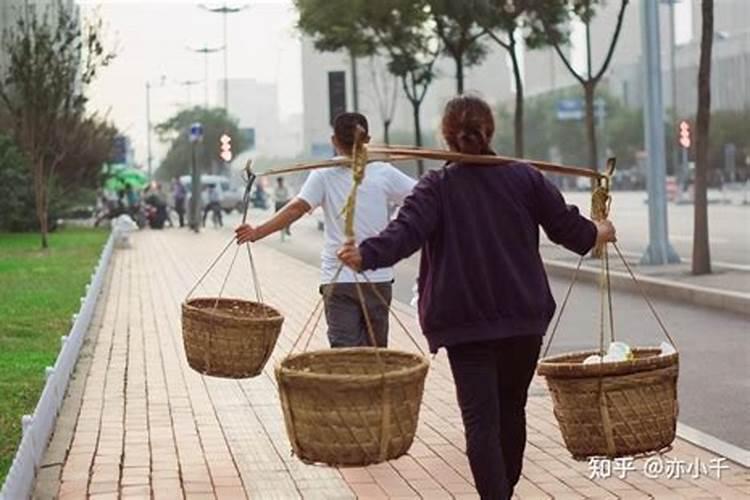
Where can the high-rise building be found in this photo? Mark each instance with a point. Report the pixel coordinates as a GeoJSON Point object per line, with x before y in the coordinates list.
{"type": "Point", "coordinates": [491, 80]}
{"type": "Point", "coordinates": [256, 105]}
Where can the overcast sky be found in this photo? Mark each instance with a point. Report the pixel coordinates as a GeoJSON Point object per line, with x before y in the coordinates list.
{"type": "Point", "coordinates": [152, 37]}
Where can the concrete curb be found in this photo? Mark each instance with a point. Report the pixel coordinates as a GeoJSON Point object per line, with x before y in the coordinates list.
{"type": "Point", "coordinates": [724, 300]}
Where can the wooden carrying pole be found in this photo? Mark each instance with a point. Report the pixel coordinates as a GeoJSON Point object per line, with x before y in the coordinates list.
{"type": "Point", "coordinates": [404, 153]}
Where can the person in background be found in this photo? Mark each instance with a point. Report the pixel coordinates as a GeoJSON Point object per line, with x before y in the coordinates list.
{"type": "Point", "coordinates": [281, 198]}
{"type": "Point", "coordinates": [483, 290]}
{"type": "Point", "coordinates": [213, 205]}
{"type": "Point", "coordinates": [329, 188]}
{"type": "Point", "coordinates": [179, 195]}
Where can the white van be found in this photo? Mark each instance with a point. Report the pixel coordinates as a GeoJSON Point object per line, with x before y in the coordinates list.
{"type": "Point", "coordinates": [231, 198]}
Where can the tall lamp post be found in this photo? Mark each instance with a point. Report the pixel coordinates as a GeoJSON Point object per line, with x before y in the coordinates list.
{"type": "Point", "coordinates": [206, 51]}
{"type": "Point", "coordinates": [148, 123]}
{"type": "Point", "coordinates": [673, 80]}
{"type": "Point", "coordinates": [659, 249]}
{"type": "Point", "coordinates": [224, 10]}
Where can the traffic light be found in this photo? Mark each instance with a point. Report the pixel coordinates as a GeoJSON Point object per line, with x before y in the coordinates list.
{"type": "Point", "coordinates": [226, 147]}
{"type": "Point", "coordinates": [685, 139]}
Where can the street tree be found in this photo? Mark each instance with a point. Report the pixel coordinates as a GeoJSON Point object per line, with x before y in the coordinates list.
{"type": "Point", "coordinates": [507, 23]}
{"type": "Point", "coordinates": [701, 248]}
{"type": "Point", "coordinates": [556, 27]}
{"type": "Point", "coordinates": [401, 28]}
{"type": "Point", "coordinates": [176, 131]}
{"type": "Point", "coordinates": [385, 87]}
{"type": "Point", "coordinates": [51, 58]}
{"type": "Point", "coordinates": [462, 38]}
{"type": "Point", "coordinates": [336, 25]}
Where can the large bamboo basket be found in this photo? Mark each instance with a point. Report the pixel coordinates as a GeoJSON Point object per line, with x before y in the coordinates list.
{"type": "Point", "coordinates": [614, 409]}
{"type": "Point", "coordinates": [229, 338]}
{"type": "Point", "coordinates": [346, 407]}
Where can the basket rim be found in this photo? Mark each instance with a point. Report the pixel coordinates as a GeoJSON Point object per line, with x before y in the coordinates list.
{"type": "Point", "coordinates": [422, 364]}
{"type": "Point", "coordinates": [189, 307]}
{"type": "Point", "coordinates": [559, 366]}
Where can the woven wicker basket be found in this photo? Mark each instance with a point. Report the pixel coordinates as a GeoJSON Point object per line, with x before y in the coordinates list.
{"type": "Point", "coordinates": [230, 338]}
{"type": "Point", "coordinates": [341, 407]}
{"type": "Point", "coordinates": [614, 409]}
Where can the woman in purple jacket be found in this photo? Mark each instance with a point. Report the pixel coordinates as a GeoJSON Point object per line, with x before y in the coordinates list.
{"type": "Point", "coordinates": [483, 290]}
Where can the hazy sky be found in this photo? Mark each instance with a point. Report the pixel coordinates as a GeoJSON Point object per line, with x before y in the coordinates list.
{"type": "Point", "coordinates": [152, 37]}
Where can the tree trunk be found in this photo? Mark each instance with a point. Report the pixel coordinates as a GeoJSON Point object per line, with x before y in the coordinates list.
{"type": "Point", "coordinates": [459, 74]}
{"type": "Point", "coordinates": [588, 90]}
{"type": "Point", "coordinates": [518, 114]}
{"type": "Point", "coordinates": [701, 249]}
{"type": "Point", "coordinates": [418, 134]}
{"type": "Point", "coordinates": [386, 132]}
{"type": "Point", "coordinates": [355, 83]}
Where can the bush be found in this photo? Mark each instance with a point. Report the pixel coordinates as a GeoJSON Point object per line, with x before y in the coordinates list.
{"type": "Point", "coordinates": [16, 194]}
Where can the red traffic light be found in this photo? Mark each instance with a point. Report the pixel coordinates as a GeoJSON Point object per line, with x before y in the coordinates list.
{"type": "Point", "coordinates": [685, 140]}
{"type": "Point", "coordinates": [226, 147]}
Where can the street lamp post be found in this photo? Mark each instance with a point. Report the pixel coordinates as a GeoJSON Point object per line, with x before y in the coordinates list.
{"type": "Point", "coordinates": [673, 81]}
{"type": "Point", "coordinates": [196, 135]}
{"type": "Point", "coordinates": [148, 125]}
{"type": "Point", "coordinates": [224, 10]}
{"type": "Point", "coordinates": [205, 50]}
{"type": "Point", "coordinates": [659, 249]}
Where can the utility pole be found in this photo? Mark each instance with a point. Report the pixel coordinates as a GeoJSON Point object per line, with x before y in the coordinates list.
{"type": "Point", "coordinates": [148, 128]}
{"type": "Point", "coordinates": [205, 50]}
{"type": "Point", "coordinates": [148, 124]}
{"type": "Point", "coordinates": [673, 83]}
{"type": "Point", "coordinates": [659, 249]}
{"type": "Point", "coordinates": [225, 11]}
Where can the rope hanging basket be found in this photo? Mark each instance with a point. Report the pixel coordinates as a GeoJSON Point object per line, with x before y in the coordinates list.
{"type": "Point", "coordinates": [613, 408]}
{"type": "Point", "coordinates": [351, 406]}
{"type": "Point", "coordinates": [342, 408]}
{"type": "Point", "coordinates": [230, 337]}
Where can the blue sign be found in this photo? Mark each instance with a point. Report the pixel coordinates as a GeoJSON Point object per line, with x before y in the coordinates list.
{"type": "Point", "coordinates": [575, 109]}
{"type": "Point", "coordinates": [196, 132]}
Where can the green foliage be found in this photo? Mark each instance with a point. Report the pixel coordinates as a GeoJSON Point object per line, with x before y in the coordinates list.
{"type": "Point", "coordinates": [39, 292]}
{"type": "Point", "coordinates": [51, 58]}
{"type": "Point", "coordinates": [16, 195]}
{"type": "Point", "coordinates": [335, 25]}
{"type": "Point", "coordinates": [176, 129]}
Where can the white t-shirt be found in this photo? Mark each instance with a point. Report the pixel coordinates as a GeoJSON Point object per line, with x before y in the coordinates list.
{"type": "Point", "coordinates": [329, 188]}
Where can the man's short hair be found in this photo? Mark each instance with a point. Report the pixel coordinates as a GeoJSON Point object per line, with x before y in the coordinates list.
{"type": "Point", "coordinates": [344, 126]}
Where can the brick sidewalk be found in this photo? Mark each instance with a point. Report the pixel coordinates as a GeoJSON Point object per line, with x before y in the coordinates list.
{"type": "Point", "coordinates": [139, 423]}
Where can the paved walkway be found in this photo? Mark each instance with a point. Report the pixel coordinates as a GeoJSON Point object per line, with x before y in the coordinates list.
{"type": "Point", "coordinates": [139, 423]}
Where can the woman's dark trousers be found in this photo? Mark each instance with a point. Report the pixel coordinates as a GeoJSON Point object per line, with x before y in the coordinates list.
{"type": "Point", "coordinates": [492, 379]}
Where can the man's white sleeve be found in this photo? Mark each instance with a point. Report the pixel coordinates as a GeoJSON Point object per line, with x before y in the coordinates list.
{"type": "Point", "coordinates": [400, 185]}
{"type": "Point", "coordinates": [313, 190]}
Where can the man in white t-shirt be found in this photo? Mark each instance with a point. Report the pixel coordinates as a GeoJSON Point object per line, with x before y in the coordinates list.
{"type": "Point", "coordinates": [329, 188]}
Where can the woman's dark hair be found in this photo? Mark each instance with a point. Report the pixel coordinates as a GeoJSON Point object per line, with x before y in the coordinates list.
{"type": "Point", "coordinates": [468, 125]}
{"type": "Point", "coordinates": [345, 125]}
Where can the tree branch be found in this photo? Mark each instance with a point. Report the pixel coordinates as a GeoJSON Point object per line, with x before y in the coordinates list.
{"type": "Point", "coordinates": [568, 65]}
{"type": "Point", "coordinates": [613, 43]}
{"type": "Point", "coordinates": [496, 38]}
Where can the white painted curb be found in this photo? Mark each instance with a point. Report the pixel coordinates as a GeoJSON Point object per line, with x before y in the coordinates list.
{"type": "Point", "coordinates": [37, 428]}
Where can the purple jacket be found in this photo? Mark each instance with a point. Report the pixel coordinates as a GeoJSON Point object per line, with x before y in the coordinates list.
{"type": "Point", "coordinates": [481, 276]}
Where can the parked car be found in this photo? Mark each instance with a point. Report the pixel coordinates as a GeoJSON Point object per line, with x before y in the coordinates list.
{"type": "Point", "coordinates": [231, 198]}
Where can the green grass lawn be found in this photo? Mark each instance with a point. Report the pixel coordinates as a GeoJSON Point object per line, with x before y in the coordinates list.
{"type": "Point", "coordinates": [39, 291]}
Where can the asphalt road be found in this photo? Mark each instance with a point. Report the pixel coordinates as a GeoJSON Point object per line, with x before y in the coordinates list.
{"type": "Point", "coordinates": [729, 231]}
{"type": "Point", "coordinates": [714, 384]}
